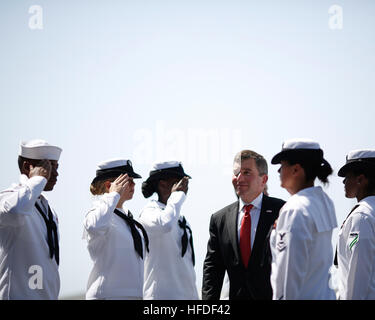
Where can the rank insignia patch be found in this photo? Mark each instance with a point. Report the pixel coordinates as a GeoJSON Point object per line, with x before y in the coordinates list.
{"type": "Point", "coordinates": [281, 244]}
{"type": "Point", "coordinates": [353, 239]}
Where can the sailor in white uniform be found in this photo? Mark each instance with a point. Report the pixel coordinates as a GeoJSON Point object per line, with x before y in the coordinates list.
{"type": "Point", "coordinates": [302, 252]}
{"type": "Point", "coordinates": [356, 245]}
{"type": "Point", "coordinates": [169, 267]}
{"type": "Point", "coordinates": [116, 242]}
{"type": "Point", "coordinates": [29, 237]}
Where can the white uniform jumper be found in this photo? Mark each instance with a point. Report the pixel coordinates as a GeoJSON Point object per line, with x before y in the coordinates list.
{"type": "Point", "coordinates": [356, 253]}
{"type": "Point", "coordinates": [168, 275]}
{"type": "Point", "coordinates": [118, 269]}
{"type": "Point", "coordinates": [26, 269]}
{"type": "Point", "coordinates": [301, 247]}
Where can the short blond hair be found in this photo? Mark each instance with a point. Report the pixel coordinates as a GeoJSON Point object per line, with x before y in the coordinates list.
{"type": "Point", "coordinates": [98, 187]}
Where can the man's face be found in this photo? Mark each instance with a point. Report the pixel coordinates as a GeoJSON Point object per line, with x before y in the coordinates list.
{"type": "Point", "coordinates": [247, 182]}
{"type": "Point", "coordinates": [53, 178]}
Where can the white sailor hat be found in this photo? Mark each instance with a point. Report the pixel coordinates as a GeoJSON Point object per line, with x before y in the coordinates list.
{"type": "Point", "coordinates": [39, 150]}
{"type": "Point", "coordinates": [298, 148]}
{"type": "Point", "coordinates": [160, 169]}
{"type": "Point", "coordinates": [112, 168]}
{"type": "Point", "coordinates": [359, 159]}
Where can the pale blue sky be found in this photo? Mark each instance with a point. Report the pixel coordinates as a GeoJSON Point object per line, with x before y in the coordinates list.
{"type": "Point", "coordinates": [194, 80]}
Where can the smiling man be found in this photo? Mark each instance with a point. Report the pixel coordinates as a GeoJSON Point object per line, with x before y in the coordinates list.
{"type": "Point", "coordinates": [239, 235]}
{"type": "Point", "coordinates": [29, 251]}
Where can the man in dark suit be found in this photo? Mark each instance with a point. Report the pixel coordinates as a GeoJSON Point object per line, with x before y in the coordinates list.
{"type": "Point", "coordinates": [239, 235]}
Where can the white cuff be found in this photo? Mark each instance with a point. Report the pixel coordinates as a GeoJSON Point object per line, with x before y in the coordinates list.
{"type": "Point", "coordinates": [177, 198]}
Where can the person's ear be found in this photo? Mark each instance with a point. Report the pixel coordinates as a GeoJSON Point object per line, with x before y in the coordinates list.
{"type": "Point", "coordinates": [362, 180]}
{"type": "Point", "coordinates": [107, 185]}
{"type": "Point", "coordinates": [234, 180]}
{"type": "Point", "coordinates": [264, 179]}
{"type": "Point", "coordinates": [25, 169]}
{"type": "Point", "coordinates": [160, 187]}
{"type": "Point", "coordinates": [163, 184]}
{"type": "Point", "coordinates": [296, 168]}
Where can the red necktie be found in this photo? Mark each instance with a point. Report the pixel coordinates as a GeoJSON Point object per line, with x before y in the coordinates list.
{"type": "Point", "coordinates": [245, 231]}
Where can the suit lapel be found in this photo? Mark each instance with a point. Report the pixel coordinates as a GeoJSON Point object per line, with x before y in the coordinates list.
{"type": "Point", "coordinates": [267, 217]}
{"type": "Point", "coordinates": [232, 229]}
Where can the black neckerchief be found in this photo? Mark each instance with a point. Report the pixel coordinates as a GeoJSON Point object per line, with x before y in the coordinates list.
{"type": "Point", "coordinates": [335, 260]}
{"type": "Point", "coordinates": [136, 236]}
{"type": "Point", "coordinates": [52, 241]}
{"type": "Point", "coordinates": [184, 239]}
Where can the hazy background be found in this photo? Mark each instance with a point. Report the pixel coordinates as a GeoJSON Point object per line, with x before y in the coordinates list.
{"type": "Point", "coordinates": [192, 80]}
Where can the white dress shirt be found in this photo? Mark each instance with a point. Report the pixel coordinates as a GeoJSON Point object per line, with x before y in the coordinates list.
{"type": "Point", "coordinates": [356, 253]}
{"type": "Point", "coordinates": [254, 214]}
{"type": "Point", "coordinates": [117, 272]}
{"type": "Point", "coordinates": [26, 269]}
{"type": "Point", "coordinates": [301, 247]}
{"type": "Point", "coordinates": [168, 276]}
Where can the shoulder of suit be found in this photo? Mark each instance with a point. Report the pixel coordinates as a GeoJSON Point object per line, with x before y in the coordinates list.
{"type": "Point", "coordinates": [226, 209]}
{"type": "Point", "coordinates": [275, 201]}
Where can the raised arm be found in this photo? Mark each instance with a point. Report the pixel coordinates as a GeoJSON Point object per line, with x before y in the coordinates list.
{"type": "Point", "coordinates": [157, 220]}
{"type": "Point", "coordinates": [18, 202]}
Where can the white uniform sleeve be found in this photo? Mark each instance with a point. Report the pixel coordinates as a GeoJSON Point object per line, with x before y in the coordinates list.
{"type": "Point", "coordinates": [156, 220]}
{"type": "Point", "coordinates": [290, 267]}
{"type": "Point", "coordinates": [360, 268]}
{"type": "Point", "coordinates": [16, 203]}
{"type": "Point", "coordinates": [98, 219]}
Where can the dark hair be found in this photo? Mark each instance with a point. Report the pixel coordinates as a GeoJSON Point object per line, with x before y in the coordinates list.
{"type": "Point", "coordinates": [314, 165]}
{"type": "Point", "coordinates": [21, 160]}
{"type": "Point", "coordinates": [368, 173]}
{"type": "Point", "coordinates": [150, 186]}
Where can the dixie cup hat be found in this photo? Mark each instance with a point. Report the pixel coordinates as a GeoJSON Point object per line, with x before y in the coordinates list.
{"type": "Point", "coordinates": [39, 149]}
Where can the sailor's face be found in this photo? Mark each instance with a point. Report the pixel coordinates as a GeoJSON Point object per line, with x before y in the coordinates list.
{"type": "Point", "coordinates": [131, 187]}
{"type": "Point", "coordinates": [351, 185]}
{"type": "Point", "coordinates": [169, 183]}
{"type": "Point", "coordinates": [285, 172]}
{"type": "Point", "coordinates": [129, 191]}
{"type": "Point", "coordinates": [54, 174]}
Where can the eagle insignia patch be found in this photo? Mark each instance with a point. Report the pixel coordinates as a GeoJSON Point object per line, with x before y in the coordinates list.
{"type": "Point", "coordinates": [281, 244]}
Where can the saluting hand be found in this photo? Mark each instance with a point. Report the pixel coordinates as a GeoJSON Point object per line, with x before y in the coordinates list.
{"type": "Point", "coordinates": [119, 184]}
{"type": "Point", "coordinates": [124, 185]}
{"type": "Point", "coordinates": [181, 185]}
{"type": "Point", "coordinates": [43, 169]}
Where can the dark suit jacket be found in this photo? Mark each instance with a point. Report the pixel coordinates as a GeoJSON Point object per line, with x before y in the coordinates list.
{"type": "Point", "coordinates": [223, 254]}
